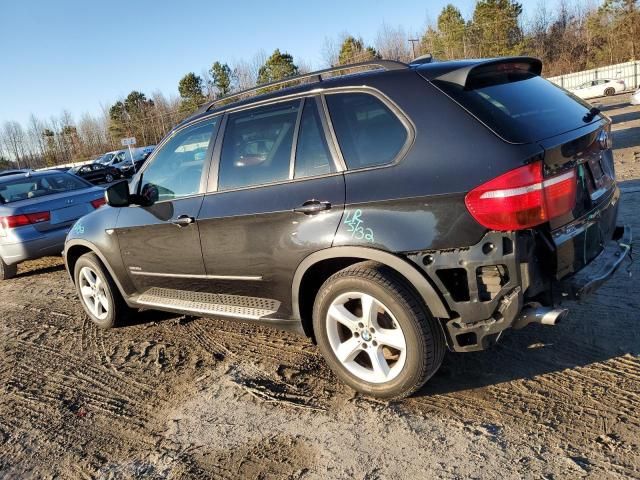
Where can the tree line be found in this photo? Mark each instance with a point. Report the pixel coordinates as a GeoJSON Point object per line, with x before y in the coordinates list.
{"type": "Point", "coordinates": [569, 37]}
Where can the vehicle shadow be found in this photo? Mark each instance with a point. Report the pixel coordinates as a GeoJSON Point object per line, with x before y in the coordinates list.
{"type": "Point", "coordinates": [142, 317]}
{"type": "Point", "coordinates": [605, 326]}
{"type": "Point", "coordinates": [612, 106]}
{"type": "Point", "coordinates": [39, 271]}
{"type": "Point", "coordinates": [626, 117]}
{"type": "Point", "coordinates": [625, 138]}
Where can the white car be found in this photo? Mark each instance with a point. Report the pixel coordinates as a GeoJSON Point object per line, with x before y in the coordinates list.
{"type": "Point", "coordinates": [599, 88]}
{"type": "Point", "coordinates": [635, 98]}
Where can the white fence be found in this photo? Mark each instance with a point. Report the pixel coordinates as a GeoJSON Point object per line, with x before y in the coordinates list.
{"type": "Point", "coordinates": [628, 71]}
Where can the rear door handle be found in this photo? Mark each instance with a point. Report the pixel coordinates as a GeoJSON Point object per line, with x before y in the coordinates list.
{"type": "Point", "coordinates": [184, 220]}
{"type": "Point", "coordinates": [311, 207]}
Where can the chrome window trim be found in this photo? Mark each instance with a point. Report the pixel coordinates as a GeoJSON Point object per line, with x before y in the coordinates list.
{"type": "Point", "coordinates": [318, 94]}
{"type": "Point", "coordinates": [296, 135]}
{"type": "Point", "coordinates": [213, 183]}
{"type": "Point", "coordinates": [395, 109]}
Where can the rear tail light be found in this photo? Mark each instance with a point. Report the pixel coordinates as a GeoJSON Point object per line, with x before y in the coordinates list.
{"type": "Point", "coordinates": [621, 82]}
{"type": "Point", "coordinates": [15, 221]}
{"type": "Point", "coordinates": [522, 198]}
{"type": "Point", "coordinates": [98, 202]}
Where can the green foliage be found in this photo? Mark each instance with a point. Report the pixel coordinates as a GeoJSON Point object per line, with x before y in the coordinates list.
{"type": "Point", "coordinates": [614, 29]}
{"type": "Point", "coordinates": [495, 30]}
{"type": "Point", "coordinates": [448, 41]}
{"type": "Point", "coordinates": [277, 67]}
{"type": "Point", "coordinates": [354, 51]}
{"type": "Point", "coordinates": [190, 89]}
{"type": "Point", "coordinates": [221, 75]}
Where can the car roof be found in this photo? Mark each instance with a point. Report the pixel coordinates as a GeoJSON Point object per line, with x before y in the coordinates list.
{"type": "Point", "coordinates": [425, 66]}
{"type": "Point", "coordinates": [29, 174]}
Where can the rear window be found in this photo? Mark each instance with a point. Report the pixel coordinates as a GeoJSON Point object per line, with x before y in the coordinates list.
{"type": "Point", "coordinates": [521, 107]}
{"type": "Point", "coordinates": [38, 186]}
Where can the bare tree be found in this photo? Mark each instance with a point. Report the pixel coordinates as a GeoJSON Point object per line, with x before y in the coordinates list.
{"type": "Point", "coordinates": [393, 43]}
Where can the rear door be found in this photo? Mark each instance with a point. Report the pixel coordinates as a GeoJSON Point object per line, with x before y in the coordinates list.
{"type": "Point", "coordinates": [276, 196]}
{"type": "Point", "coordinates": [160, 244]}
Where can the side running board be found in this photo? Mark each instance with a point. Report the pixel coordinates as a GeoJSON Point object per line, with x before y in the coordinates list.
{"type": "Point", "coordinates": [209, 303]}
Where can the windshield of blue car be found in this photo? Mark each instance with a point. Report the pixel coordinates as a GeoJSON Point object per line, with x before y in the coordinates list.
{"type": "Point", "coordinates": [26, 187]}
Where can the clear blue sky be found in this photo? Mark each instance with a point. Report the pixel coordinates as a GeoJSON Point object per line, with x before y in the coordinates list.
{"type": "Point", "coordinates": [77, 55]}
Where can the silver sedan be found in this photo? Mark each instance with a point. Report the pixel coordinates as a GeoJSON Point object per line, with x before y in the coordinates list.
{"type": "Point", "coordinates": [37, 210]}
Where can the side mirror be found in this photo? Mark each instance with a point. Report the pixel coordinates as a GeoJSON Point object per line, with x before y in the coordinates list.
{"type": "Point", "coordinates": [117, 195]}
{"type": "Point", "coordinates": [148, 195]}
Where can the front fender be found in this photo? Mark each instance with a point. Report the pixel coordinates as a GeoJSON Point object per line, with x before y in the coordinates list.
{"type": "Point", "coordinates": [95, 232]}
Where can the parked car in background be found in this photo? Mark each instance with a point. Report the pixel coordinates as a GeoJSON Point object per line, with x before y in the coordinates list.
{"type": "Point", "coordinates": [37, 209]}
{"type": "Point", "coordinates": [97, 173]}
{"type": "Point", "coordinates": [635, 98]}
{"type": "Point", "coordinates": [128, 169]}
{"type": "Point", "coordinates": [337, 208]}
{"type": "Point", "coordinates": [603, 87]}
{"type": "Point", "coordinates": [4, 173]}
{"type": "Point", "coordinates": [106, 158]}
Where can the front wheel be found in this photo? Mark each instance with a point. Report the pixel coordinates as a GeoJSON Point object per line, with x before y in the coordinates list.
{"type": "Point", "coordinates": [375, 332]}
{"type": "Point", "coordinates": [98, 293]}
{"type": "Point", "coordinates": [108, 178]}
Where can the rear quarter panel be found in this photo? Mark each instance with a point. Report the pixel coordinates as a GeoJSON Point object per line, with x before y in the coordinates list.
{"type": "Point", "coordinates": [418, 202]}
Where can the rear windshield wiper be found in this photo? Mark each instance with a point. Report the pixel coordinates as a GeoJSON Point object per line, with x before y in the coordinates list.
{"type": "Point", "coordinates": [588, 117]}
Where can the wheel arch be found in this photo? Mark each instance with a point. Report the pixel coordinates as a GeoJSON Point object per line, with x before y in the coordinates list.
{"type": "Point", "coordinates": [74, 249]}
{"type": "Point", "coordinates": [317, 267]}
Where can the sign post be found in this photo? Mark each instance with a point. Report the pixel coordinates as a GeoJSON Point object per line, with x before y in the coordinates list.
{"type": "Point", "coordinates": [127, 142]}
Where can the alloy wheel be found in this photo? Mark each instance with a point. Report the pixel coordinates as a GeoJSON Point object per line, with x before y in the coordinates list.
{"type": "Point", "coordinates": [94, 293]}
{"type": "Point", "coordinates": [365, 337]}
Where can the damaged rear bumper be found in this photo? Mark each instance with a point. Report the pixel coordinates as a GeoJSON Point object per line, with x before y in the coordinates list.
{"type": "Point", "coordinates": [598, 271]}
{"type": "Point", "coordinates": [489, 286]}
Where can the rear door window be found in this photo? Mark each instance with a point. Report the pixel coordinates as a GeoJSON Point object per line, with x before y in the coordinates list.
{"type": "Point", "coordinates": [257, 145]}
{"type": "Point", "coordinates": [312, 153]}
{"type": "Point", "coordinates": [521, 107]}
{"type": "Point", "coordinates": [368, 132]}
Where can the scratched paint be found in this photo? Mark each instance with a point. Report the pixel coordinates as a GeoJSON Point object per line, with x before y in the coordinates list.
{"type": "Point", "coordinates": [355, 226]}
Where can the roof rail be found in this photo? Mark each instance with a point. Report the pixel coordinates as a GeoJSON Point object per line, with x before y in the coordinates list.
{"type": "Point", "coordinates": [311, 77]}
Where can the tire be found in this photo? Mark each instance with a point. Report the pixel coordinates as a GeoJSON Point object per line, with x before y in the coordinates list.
{"type": "Point", "coordinates": [7, 271]}
{"type": "Point", "coordinates": [609, 91]}
{"type": "Point", "coordinates": [109, 308]}
{"type": "Point", "coordinates": [397, 307]}
{"type": "Point", "coordinates": [108, 178]}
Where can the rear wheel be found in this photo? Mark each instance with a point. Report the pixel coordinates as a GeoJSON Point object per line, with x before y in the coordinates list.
{"type": "Point", "coordinates": [375, 333]}
{"type": "Point", "coordinates": [609, 91]}
{"type": "Point", "coordinates": [98, 293]}
{"type": "Point", "coordinates": [108, 178]}
{"type": "Point", "coordinates": [7, 271]}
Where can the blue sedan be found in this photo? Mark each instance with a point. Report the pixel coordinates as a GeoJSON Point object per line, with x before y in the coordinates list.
{"type": "Point", "coordinates": [37, 209]}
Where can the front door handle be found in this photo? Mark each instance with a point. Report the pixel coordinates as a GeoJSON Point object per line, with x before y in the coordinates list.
{"type": "Point", "coordinates": [311, 207]}
{"type": "Point", "coordinates": [184, 220]}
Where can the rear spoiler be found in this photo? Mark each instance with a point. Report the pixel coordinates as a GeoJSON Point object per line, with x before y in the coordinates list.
{"type": "Point", "coordinates": [465, 74]}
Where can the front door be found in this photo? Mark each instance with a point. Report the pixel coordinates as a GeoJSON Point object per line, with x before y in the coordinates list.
{"type": "Point", "coordinates": [279, 198]}
{"type": "Point", "coordinates": [160, 244]}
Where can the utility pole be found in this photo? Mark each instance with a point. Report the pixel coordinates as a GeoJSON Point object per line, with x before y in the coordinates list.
{"type": "Point", "coordinates": [413, 45]}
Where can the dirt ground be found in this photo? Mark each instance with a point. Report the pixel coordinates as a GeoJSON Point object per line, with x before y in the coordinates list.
{"type": "Point", "coordinates": [180, 397]}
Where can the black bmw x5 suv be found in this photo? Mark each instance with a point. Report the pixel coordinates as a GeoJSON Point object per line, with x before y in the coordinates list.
{"type": "Point", "coordinates": [388, 214]}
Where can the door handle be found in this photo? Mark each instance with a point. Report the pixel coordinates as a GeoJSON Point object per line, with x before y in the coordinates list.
{"type": "Point", "coordinates": [311, 207]}
{"type": "Point", "coordinates": [184, 220]}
